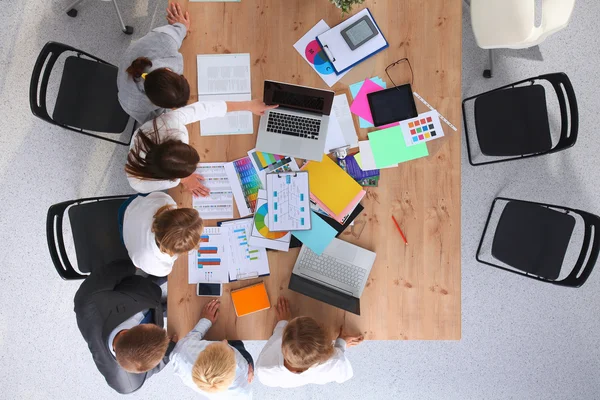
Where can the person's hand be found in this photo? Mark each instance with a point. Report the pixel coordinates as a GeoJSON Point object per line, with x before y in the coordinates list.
{"type": "Point", "coordinates": [258, 107]}
{"type": "Point", "coordinates": [174, 338]}
{"type": "Point", "coordinates": [350, 340]}
{"type": "Point", "coordinates": [282, 309]}
{"type": "Point", "coordinates": [175, 15]}
{"type": "Point", "coordinates": [192, 184]}
{"type": "Point", "coordinates": [250, 373]}
{"type": "Point", "coordinates": [211, 310]}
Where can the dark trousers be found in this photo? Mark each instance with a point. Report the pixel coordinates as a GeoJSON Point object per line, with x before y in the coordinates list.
{"type": "Point", "coordinates": [239, 346]}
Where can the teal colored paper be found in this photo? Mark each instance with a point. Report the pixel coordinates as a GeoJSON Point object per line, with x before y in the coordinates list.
{"type": "Point", "coordinates": [319, 236]}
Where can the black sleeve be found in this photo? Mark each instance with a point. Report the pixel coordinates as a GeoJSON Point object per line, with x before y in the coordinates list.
{"type": "Point", "coordinates": [103, 279]}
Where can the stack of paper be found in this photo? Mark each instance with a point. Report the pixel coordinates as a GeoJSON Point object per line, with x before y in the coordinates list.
{"type": "Point", "coordinates": [386, 148]}
{"type": "Point", "coordinates": [355, 89]}
{"type": "Point", "coordinates": [225, 77]}
{"type": "Point", "coordinates": [332, 189]}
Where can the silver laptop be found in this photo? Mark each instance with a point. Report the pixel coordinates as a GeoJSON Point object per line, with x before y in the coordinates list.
{"type": "Point", "coordinates": [298, 127]}
{"type": "Point", "coordinates": [337, 277]}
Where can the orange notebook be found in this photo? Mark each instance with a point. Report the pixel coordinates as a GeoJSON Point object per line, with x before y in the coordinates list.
{"type": "Point", "coordinates": [250, 299]}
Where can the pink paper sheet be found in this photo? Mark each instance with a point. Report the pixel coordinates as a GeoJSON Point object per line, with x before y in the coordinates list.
{"type": "Point", "coordinates": [360, 105]}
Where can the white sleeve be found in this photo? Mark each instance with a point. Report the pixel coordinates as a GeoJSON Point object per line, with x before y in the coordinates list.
{"type": "Point", "coordinates": [149, 186]}
{"type": "Point", "coordinates": [201, 110]}
{"type": "Point", "coordinates": [195, 334]}
{"type": "Point", "coordinates": [264, 359]}
{"type": "Point", "coordinates": [341, 367]}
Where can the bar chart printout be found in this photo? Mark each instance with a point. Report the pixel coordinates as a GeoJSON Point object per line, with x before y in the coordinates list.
{"type": "Point", "coordinates": [207, 264]}
{"type": "Point", "coordinates": [244, 261]}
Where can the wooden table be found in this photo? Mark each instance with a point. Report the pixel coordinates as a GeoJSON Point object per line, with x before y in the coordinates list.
{"type": "Point", "coordinates": [414, 291]}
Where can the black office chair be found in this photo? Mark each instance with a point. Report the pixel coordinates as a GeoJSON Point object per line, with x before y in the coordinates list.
{"type": "Point", "coordinates": [95, 232]}
{"type": "Point", "coordinates": [72, 12]}
{"type": "Point", "coordinates": [87, 98]}
{"type": "Point", "coordinates": [532, 239]}
{"type": "Point", "coordinates": [511, 122]}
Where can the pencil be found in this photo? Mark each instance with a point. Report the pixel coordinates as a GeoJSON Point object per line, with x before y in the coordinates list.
{"type": "Point", "coordinates": [399, 230]}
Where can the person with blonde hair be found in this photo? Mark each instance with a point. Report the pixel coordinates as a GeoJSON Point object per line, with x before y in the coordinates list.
{"type": "Point", "coordinates": [300, 352]}
{"type": "Point", "coordinates": [219, 370]}
{"type": "Point", "coordinates": [155, 232]}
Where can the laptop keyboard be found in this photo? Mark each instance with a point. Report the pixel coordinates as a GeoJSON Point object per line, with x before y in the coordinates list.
{"type": "Point", "coordinates": [293, 125]}
{"type": "Point", "coordinates": [333, 268]}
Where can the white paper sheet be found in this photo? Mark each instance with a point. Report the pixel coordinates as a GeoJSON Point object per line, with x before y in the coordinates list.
{"type": "Point", "coordinates": [261, 236]}
{"type": "Point", "coordinates": [341, 109]}
{"type": "Point", "coordinates": [212, 251]}
{"type": "Point", "coordinates": [288, 199]}
{"type": "Point", "coordinates": [368, 161]}
{"type": "Point", "coordinates": [219, 203]}
{"type": "Point", "coordinates": [309, 49]}
{"type": "Point", "coordinates": [225, 77]}
{"type": "Point", "coordinates": [244, 261]}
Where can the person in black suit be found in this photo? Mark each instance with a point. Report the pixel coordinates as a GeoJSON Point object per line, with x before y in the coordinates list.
{"type": "Point", "coordinates": [120, 316]}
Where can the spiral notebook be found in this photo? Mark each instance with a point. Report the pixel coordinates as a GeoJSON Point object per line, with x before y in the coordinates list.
{"type": "Point", "coordinates": [288, 201]}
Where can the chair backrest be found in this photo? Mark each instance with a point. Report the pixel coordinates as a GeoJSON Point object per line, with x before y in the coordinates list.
{"type": "Point", "coordinates": [511, 23]}
{"type": "Point", "coordinates": [87, 100]}
{"type": "Point", "coordinates": [95, 233]}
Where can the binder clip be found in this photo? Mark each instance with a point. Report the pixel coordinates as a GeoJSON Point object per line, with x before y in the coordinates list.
{"type": "Point", "coordinates": [340, 152]}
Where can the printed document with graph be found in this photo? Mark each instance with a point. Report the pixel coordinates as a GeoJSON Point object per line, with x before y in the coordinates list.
{"type": "Point", "coordinates": [288, 199]}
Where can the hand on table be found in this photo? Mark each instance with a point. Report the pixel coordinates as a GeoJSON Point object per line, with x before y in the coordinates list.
{"type": "Point", "coordinates": [350, 340]}
{"type": "Point", "coordinates": [175, 15]}
{"type": "Point", "coordinates": [211, 310]}
{"type": "Point", "coordinates": [282, 309]}
{"type": "Point", "coordinates": [192, 184]}
{"type": "Point", "coordinates": [250, 373]}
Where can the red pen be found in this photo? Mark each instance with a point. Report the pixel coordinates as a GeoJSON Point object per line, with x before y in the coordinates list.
{"type": "Point", "coordinates": [399, 230]}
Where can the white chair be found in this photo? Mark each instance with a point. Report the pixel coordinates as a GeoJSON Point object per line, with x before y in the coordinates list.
{"type": "Point", "coordinates": [511, 23]}
{"type": "Point", "coordinates": [72, 12]}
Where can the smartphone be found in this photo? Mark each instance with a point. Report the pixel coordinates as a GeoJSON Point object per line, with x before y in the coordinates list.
{"type": "Point", "coordinates": [209, 289]}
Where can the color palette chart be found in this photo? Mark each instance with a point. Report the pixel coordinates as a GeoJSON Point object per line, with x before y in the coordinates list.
{"type": "Point", "coordinates": [244, 261]}
{"type": "Point", "coordinates": [245, 184]}
{"type": "Point", "coordinates": [265, 163]}
{"type": "Point", "coordinates": [207, 263]}
{"type": "Point", "coordinates": [423, 128]}
{"type": "Point", "coordinates": [311, 51]}
{"type": "Point", "coordinates": [261, 236]}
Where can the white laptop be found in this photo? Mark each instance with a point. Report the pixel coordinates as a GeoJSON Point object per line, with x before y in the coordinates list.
{"type": "Point", "coordinates": [298, 127]}
{"type": "Point", "coordinates": [336, 277]}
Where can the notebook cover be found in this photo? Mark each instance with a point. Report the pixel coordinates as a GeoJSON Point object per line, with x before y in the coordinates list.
{"type": "Point", "coordinates": [250, 299]}
{"type": "Point", "coordinates": [331, 185]}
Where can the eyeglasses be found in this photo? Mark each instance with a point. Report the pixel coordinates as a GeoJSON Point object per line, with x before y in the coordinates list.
{"type": "Point", "coordinates": [412, 75]}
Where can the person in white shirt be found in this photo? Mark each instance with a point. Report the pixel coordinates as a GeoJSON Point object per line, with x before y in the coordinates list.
{"type": "Point", "coordinates": [217, 370]}
{"type": "Point", "coordinates": [155, 232]}
{"type": "Point", "coordinates": [160, 156]}
{"type": "Point", "coordinates": [300, 353]}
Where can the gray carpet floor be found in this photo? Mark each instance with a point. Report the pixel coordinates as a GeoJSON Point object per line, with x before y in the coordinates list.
{"type": "Point", "coordinates": [521, 339]}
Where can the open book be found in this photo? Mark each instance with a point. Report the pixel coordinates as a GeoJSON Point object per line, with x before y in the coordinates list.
{"type": "Point", "coordinates": [225, 77]}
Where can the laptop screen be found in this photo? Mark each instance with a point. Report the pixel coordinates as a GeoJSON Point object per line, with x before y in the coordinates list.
{"type": "Point", "coordinates": [298, 97]}
{"type": "Point", "coordinates": [324, 293]}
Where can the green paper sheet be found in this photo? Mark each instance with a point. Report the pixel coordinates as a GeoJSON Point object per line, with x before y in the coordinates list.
{"type": "Point", "coordinates": [389, 147]}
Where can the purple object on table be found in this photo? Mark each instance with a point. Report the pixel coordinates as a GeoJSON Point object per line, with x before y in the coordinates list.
{"type": "Point", "coordinates": [355, 171]}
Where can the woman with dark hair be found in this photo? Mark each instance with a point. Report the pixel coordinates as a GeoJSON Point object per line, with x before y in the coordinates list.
{"type": "Point", "coordinates": [150, 78]}
{"type": "Point", "coordinates": [160, 156]}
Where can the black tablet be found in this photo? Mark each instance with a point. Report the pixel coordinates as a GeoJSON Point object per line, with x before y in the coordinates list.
{"type": "Point", "coordinates": [392, 105]}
